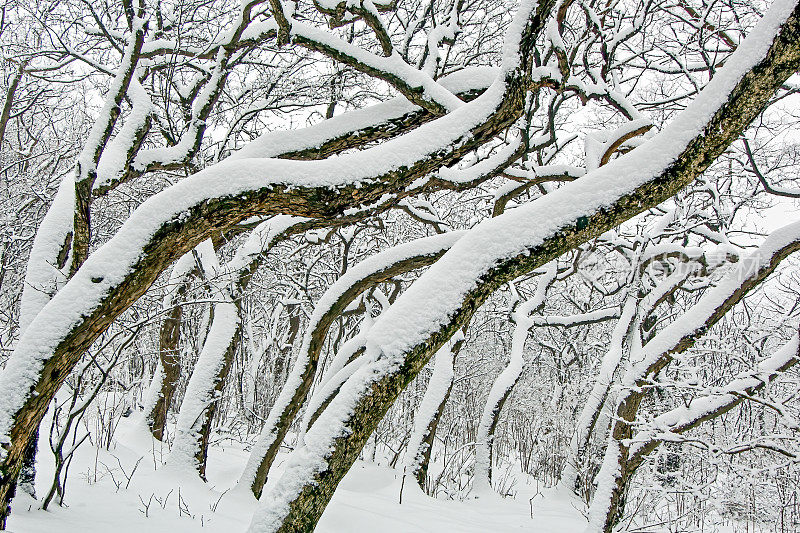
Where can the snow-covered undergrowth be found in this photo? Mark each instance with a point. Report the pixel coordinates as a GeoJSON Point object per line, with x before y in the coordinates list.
{"type": "Point", "coordinates": [108, 492]}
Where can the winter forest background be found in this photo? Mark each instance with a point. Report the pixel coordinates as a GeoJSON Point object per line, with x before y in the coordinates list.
{"type": "Point", "coordinates": [445, 265]}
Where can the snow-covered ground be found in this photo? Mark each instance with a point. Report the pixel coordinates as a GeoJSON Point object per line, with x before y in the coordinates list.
{"type": "Point", "coordinates": [99, 498]}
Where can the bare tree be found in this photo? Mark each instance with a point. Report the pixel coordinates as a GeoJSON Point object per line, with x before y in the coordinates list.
{"type": "Point", "coordinates": [150, 189]}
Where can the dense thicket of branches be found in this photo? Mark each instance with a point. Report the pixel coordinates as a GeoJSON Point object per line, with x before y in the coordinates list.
{"type": "Point", "coordinates": [471, 239]}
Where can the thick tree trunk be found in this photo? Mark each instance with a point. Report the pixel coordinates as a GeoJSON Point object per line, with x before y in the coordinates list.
{"type": "Point", "coordinates": [301, 378]}
{"type": "Point", "coordinates": [161, 392]}
{"type": "Point", "coordinates": [73, 241]}
{"type": "Point", "coordinates": [210, 375]}
{"type": "Point", "coordinates": [27, 477]}
{"type": "Point", "coordinates": [304, 492]}
{"type": "Point", "coordinates": [190, 446]}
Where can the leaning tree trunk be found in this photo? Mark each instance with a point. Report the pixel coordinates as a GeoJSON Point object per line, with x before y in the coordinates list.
{"type": "Point", "coordinates": [697, 136]}
{"type": "Point", "coordinates": [27, 476]}
{"type": "Point", "coordinates": [169, 370]}
{"type": "Point", "coordinates": [426, 420]}
{"type": "Point", "coordinates": [619, 463]}
{"type": "Point", "coordinates": [189, 449]}
{"type": "Point", "coordinates": [484, 447]}
{"type": "Point", "coordinates": [584, 430]}
{"type": "Point", "coordinates": [211, 410]}
{"type": "Point", "coordinates": [161, 392]}
{"type": "Point", "coordinates": [208, 380]}
{"type": "Point", "coordinates": [61, 243]}
{"type": "Point", "coordinates": [47, 271]}
{"type": "Point", "coordinates": [371, 271]}
{"type": "Point", "coordinates": [505, 382]}
{"type": "Point", "coordinates": [285, 343]}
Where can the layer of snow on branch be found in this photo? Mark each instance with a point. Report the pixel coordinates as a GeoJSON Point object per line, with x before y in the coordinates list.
{"type": "Point", "coordinates": [260, 240]}
{"type": "Point", "coordinates": [276, 143]}
{"type": "Point", "coordinates": [43, 277]}
{"type": "Point", "coordinates": [200, 389]}
{"type": "Point", "coordinates": [108, 266]}
{"type": "Point", "coordinates": [376, 263]}
{"type": "Point", "coordinates": [749, 266]}
{"type": "Point", "coordinates": [115, 156]}
{"type": "Point", "coordinates": [431, 301]}
{"type": "Point", "coordinates": [438, 387]}
{"type": "Point", "coordinates": [662, 426]}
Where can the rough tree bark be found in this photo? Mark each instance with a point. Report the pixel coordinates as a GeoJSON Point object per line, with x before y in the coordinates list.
{"type": "Point", "coordinates": [296, 390]}
{"type": "Point", "coordinates": [198, 221]}
{"type": "Point", "coordinates": [185, 231]}
{"type": "Point", "coordinates": [298, 504]}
